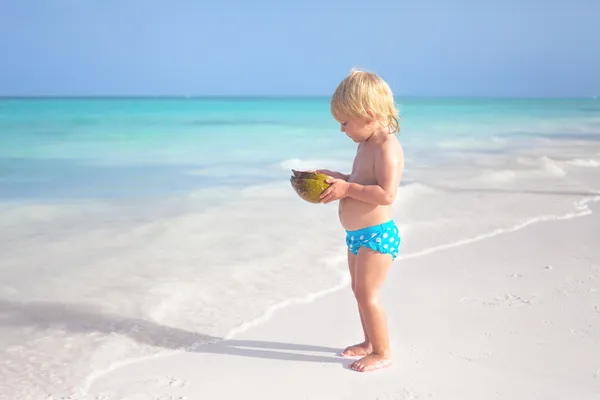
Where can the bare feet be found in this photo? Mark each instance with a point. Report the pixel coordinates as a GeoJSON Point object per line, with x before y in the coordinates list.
{"type": "Point", "coordinates": [371, 362]}
{"type": "Point", "coordinates": [360, 349]}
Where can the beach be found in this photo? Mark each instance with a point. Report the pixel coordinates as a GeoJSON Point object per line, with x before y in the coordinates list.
{"type": "Point", "coordinates": [512, 316]}
{"type": "Point", "coordinates": [154, 249]}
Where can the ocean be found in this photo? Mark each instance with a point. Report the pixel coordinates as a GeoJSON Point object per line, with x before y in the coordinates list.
{"type": "Point", "coordinates": [135, 226]}
{"type": "Point", "coordinates": [90, 148]}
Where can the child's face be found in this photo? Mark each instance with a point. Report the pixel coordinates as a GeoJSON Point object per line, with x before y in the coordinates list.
{"type": "Point", "coordinates": [357, 129]}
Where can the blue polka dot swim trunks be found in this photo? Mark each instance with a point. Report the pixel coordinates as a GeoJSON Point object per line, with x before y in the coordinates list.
{"type": "Point", "coordinates": [383, 238]}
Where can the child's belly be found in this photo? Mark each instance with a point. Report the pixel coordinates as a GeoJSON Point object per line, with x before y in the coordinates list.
{"type": "Point", "coordinates": [355, 214]}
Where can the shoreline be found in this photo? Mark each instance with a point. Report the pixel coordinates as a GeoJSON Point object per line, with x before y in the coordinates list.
{"type": "Point", "coordinates": [582, 208]}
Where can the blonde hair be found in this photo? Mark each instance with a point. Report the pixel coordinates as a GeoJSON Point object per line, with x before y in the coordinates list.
{"type": "Point", "coordinates": [361, 91]}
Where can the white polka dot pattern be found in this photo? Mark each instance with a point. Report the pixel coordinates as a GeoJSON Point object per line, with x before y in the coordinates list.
{"type": "Point", "coordinates": [371, 237]}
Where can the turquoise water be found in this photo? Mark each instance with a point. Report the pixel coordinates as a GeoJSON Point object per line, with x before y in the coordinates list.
{"type": "Point", "coordinates": [72, 148]}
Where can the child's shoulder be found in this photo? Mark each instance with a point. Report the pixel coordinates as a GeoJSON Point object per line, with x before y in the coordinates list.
{"type": "Point", "coordinates": [391, 150]}
{"type": "Point", "coordinates": [392, 144]}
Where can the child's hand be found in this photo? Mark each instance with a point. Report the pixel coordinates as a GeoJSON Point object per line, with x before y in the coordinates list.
{"type": "Point", "coordinates": [337, 190]}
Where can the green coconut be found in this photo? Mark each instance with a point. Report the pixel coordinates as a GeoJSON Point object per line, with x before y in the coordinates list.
{"type": "Point", "coordinates": [309, 185]}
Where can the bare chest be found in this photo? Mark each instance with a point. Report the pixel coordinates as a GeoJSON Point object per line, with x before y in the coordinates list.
{"type": "Point", "coordinates": [363, 168]}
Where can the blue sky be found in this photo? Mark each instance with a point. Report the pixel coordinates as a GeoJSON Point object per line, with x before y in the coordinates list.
{"type": "Point", "coordinates": [268, 47]}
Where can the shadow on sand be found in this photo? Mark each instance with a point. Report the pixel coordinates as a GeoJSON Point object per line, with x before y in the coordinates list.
{"type": "Point", "coordinates": [80, 319]}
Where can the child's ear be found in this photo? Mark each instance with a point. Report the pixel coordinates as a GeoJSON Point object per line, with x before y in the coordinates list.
{"type": "Point", "coordinates": [371, 115]}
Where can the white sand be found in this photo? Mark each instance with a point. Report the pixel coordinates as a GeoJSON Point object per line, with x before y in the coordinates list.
{"type": "Point", "coordinates": [511, 316]}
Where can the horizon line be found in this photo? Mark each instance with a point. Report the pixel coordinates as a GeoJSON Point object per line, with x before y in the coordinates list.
{"type": "Point", "coordinates": [191, 97]}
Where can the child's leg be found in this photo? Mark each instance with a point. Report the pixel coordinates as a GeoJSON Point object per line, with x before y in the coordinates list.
{"type": "Point", "coordinates": [370, 272]}
{"type": "Point", "coordinates": [364, 348]}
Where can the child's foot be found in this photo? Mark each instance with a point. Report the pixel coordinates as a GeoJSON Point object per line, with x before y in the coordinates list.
{"type": "Point", "coordinates": [360, 349]}
{"type": "Point", "coordinates": [371, 362]}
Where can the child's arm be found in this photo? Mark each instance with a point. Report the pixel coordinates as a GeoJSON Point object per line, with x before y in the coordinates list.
{"type": "Point", "coordinates": [389, 167]}
{"type": "Point", "coordinates": [333, 174]}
